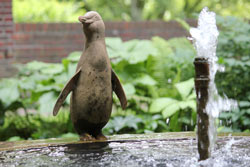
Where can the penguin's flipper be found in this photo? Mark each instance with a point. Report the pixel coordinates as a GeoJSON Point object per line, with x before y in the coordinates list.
{"type": "Point", "coordinates": [66, 90]}
{"type": "Point", "coordinates": [117, 88]}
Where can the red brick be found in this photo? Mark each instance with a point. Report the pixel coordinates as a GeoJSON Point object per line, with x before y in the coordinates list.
{"type": "Point", "coordinates": [8, 19]}
{"type": "Point", "coordinates": [20, 36]}
{"type": "Point", "coordinates": [3, 53]}
{"type": "Point", "coordinates": [9, 31]}
{"type": "Point", "coordinates": [9, 1]}
{"type": "Point", "coordinates": [45, 27]}
{"type": "Point", "coordinates": [5, 12]}
{"type": "Point", "coordinates": [18, 27]}
{"type": "Point", "coordinates": [7, 6]}
{"type": "Point", "coordinates": [9, 43]}
{"type": "Point", "coordinates": [3, 36]}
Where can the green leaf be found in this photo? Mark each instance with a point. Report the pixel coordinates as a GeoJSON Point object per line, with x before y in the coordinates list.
{"type": "Point", "coordinates": [69, 135]}
{"type": "Point", "coordinates": [189, 103]}
{"type": "Point", "coordinates": [248, 111]}
{"type": "Point", "coordinates": [71, 69]}
{"type": "Point", "coordinates": [61, 80]}
{"type": "Point", "coordinates": [115, 47]}
{"type": "Point", "coordinates": [9, 92]}
{"type": "Point", "coordinates": [160, 103]}
{"type": "Point", "coordinates": [170, 110]}
{"type": "Point", "coordinates": [52, 69]}
{"type": "Point", "coordinates": [130, 45]}
{"type": "Point", "coordinates": [145, 80]}
{"type": "Point", "coordinates": [27, 83]}
{"type": "Point", "coordinates": [36, 65]}
{"type": "Point", "coordinates": [244, 103]}
{"type": "Point", "coordinates": [114, 43]}
{"type": "Point", "coordinates": [46, 88]}
{"type": "Point", "coordinates": [225, 129]}
{"type": "Point", "coordinates": [74, 56]}
{"type": "Point", "coordinates": [184, 88]}
{"type": "Point", "coordinates": [192, 96]}
{"type": "Point", "coordinates": [183, 51]}
{"type": "Point", "coordinates": [235, 117]}
{"type": "Point", "coordinates": [47, 102]}
{"type": "Point", "coordinates": [15, 138]}
{"type": "Point", "coordinates": [118, 123]}
{"type": "Point", "coordinates": [137, 54]}
{"type": "Point", "coordinates": [65, 63]}
{"type": "Point", "coordinates": [129, 89]}
{"type": "Point", "coordinates": [246, 121]}
{"type": "Point", "coordinates": [174, 124]}
{"type": "Point", "coordinates": [162, 45]}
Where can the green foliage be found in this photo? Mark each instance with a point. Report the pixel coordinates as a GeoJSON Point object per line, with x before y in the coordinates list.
{"type": "Point", "coordinates": [169, 106]}
{"type": "Point", "coordinates": [128, 10]}
{"type": "Point", "coordinates": [46, 11]}
{"type": "Point", "coordinates": [234, 52]}
{"type": "Point", "coordinates": [143, 123]}
{"type": "Point", "coordinates": [236, 120]}
{"type": "Point", "coordinates": [153, 74]}
{"type": "Point", "coordinates": [36, 87]}
{"type": "Point", "coordinates": [30, 125]}
{"type": "Point", "coordinates": [143, 72]}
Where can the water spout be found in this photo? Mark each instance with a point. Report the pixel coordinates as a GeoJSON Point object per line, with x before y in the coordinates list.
{"type": "Point", "coordinates": [209, 103]}
{"type": "Point", "coordinates": [203, 119]}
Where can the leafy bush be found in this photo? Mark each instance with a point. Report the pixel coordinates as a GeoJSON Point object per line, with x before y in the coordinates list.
{"type": "Point", "coordinates": [234, 53]}
{"type": "Point", "coordinates": [46, 11]}
{"type": "Point", "coordinates": [148, 75]}
{"type": "Point", "coordinates": [126, 10]}
{"type": "Point", "coordinates": [155, 74]}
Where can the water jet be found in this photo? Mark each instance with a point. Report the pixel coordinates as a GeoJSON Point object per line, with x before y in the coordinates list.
{"type": "Point", "coordinates": [209, 103]}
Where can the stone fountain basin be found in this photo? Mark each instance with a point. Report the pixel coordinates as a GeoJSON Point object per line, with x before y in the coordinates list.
{"type": "Point", "coordinates": [155, 149]}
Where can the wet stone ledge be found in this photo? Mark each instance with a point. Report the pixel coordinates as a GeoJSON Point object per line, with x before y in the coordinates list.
{"type": "Point", "coordinates": [26, 144]}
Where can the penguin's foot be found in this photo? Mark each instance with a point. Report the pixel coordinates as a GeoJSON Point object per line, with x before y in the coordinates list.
{"type": "Point", "coordinates": [101, 137]}
{"type": "Point", "coordinates": [86, 137]}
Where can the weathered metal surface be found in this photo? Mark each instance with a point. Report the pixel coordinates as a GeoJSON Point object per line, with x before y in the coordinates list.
{"type": "Point", "coordinates": [202, 87]}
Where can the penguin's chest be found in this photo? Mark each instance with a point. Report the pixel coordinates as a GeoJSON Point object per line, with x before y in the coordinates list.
{"type": "Point", "coordinates": [92, 98]}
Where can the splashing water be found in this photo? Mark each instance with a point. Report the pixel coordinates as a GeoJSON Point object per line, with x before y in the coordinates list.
{"type": "Point", "coordinates": [204, 38]}
{"type": "Point", "coordinates": [205, 35]}
{"type": "Point", "coordinates": [156, 153]}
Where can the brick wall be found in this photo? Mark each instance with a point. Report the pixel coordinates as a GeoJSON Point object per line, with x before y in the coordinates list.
{"type": "Point", "coordinates": [51, 42]}
{"type": "Point", "coordinates": [46, 42]}
{"type": "Point", "coordinates": [6, 42]}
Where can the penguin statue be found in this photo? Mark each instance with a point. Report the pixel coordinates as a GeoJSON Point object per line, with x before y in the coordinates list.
{"type": "Point", "coordinates": [92, 84]}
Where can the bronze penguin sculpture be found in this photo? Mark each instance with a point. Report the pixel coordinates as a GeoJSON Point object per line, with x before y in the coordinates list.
{"type": "Point", "coordinates": [92, 84]}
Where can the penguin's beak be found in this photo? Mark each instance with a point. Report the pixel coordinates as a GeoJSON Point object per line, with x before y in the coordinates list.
{"type": "Point", "coordinates": [85, 20]}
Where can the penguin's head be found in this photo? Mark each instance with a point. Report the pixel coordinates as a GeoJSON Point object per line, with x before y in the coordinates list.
{"type": "Point", "coordinates": [92, 23]}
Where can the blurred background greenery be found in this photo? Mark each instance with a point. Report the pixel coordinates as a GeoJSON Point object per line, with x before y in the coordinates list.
{"type": "Point", "coordinates": [158, 79]}
{"type": "Point", "coordinates": [127, 10]}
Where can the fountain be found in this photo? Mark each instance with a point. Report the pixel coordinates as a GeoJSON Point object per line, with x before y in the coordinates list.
{"type": "Point", "coordinates": [209, 103]}
{"type": "Point", "coordinates": [157, 149]}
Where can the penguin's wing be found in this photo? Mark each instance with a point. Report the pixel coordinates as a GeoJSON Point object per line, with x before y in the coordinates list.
{"type": "Point", "coordinates": [66, 90]}
{"type": "Point", "coordinates": [117, 88]}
